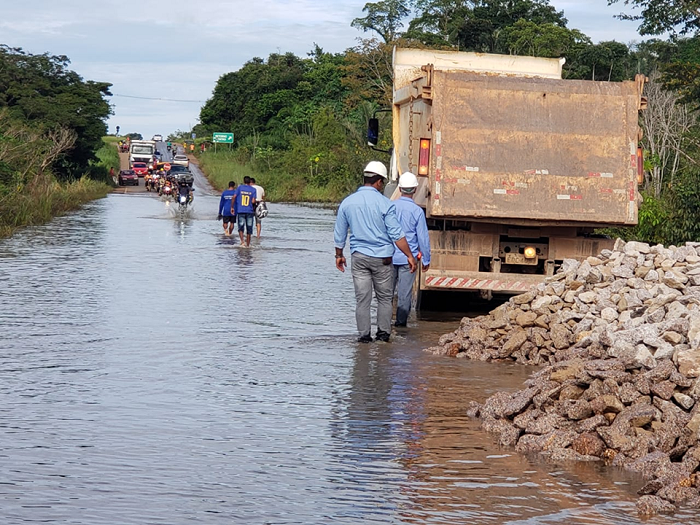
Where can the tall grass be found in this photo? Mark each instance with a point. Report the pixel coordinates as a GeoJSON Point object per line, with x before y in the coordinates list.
{"type": "Point", "coordinates": [223, 166]}
{"type": "Point", "coordinates": [112, 139]}
{"type": "Point", "coordinates": [39, 196]}
{"type": "Point", "coordinates": [44, 199]}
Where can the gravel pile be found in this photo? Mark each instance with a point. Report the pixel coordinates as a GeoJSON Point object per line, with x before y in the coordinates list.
{"type": "Point", "coordinates": [620, 335]}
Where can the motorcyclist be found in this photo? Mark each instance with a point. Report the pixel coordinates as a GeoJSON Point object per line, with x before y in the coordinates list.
{"type": "Point", "coordinates": [184, 189]}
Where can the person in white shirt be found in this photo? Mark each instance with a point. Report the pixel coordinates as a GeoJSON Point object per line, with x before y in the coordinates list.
{"type": "Point", "coordinates": [259, 197]}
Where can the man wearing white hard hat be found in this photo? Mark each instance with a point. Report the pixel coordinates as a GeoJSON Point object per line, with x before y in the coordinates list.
{"type": "Point", "coordinates": [374, 234]}
{"type": "Point", "coordinates": [412, 220]}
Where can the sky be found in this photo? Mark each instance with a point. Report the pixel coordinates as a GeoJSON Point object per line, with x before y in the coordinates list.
{"type": "Point", "coordinates": [170, 54]}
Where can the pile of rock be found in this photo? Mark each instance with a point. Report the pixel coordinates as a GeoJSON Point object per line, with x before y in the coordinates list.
{"type": "Point", "coordinates": [621, 336]}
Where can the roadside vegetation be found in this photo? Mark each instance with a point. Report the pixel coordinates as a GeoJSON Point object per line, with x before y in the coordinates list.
{"type": "Point", "coordinates": [299, 122]}
{"type": "Point", "coordinates": [52, 155]}
{"type": "Point", "coordinates": [107, 157]}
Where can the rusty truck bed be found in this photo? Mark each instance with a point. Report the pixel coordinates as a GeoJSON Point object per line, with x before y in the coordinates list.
{"type": "Point", "coordinates": [533, 149]}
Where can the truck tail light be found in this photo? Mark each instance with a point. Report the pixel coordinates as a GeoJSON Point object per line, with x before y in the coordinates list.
{"type": "Point", "coordinates": [424, 157]}
{"type": "Point", "coordinates": [640, 165]}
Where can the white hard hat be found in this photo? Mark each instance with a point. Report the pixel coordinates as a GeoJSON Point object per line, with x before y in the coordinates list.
{"type": "Point", "coordinates": [376, 168]}
{"type": "Point", "coordinates": [408, 181]}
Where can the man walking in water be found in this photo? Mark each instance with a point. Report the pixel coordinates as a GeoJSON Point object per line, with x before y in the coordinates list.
{"type": "Point", "coordinates": [243, 208]}
{"type": "Point", "coordinates": [259, 197]}
{"type": "Point", "coordinates": [226, 211]}
{"type": "Point", "coordinates": [374, 231]}
{"type": "Point", "coordinates": [412, 220]}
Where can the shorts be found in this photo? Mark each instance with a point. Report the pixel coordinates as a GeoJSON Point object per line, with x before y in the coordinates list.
{"type": "Point", "coordinates": [245, 220]}
{"type": "Point", "coordinates": [229, 218]}
{"type": "Point", "coordinates": [257, 219]}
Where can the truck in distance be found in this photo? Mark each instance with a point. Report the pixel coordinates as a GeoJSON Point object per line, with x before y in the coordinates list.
{"type": "Point", "coordinates": [517, 167]}
{"type": "Point", "coordinates": [142, 151]}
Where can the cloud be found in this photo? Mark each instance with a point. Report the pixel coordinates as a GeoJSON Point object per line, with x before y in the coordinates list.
{"type": "Point", "coordinates": [178, 49]}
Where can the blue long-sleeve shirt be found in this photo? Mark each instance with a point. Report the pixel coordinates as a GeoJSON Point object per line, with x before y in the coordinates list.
{"type": "Point", "coordinates": [225, 203]}
{"type": "Point", "coordinates": [412, 220]}
{"type": "Point", "coordinates": [371, 218]}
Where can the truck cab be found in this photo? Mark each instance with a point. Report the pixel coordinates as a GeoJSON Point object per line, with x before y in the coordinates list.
{"type": "Point", "coordinates": [142, 151]}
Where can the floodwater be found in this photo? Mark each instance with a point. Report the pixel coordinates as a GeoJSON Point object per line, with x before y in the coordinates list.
{"type": "Point", "coordinates": [153, 372]}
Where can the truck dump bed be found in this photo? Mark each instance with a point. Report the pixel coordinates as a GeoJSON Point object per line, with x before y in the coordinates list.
{"type": "Point", "coordinates": [533, 149]}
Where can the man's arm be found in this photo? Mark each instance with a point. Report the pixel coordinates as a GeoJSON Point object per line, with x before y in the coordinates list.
{"type": "Point", "coordinates": [234, 198]}
{"type": "Point", "coordinates": [222, 201]}
{"type": "Point", "coordinates": [423, 239]}
{"type": "Point", "coordinates": [402, 245]}
{"type": "Point", "coordinates": [340, 235]}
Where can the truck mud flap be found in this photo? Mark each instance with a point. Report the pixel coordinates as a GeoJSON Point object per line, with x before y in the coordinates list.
{"type": "Point", "coordinates": [465, 281]}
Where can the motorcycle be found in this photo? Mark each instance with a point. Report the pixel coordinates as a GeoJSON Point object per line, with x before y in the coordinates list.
{"type": "Point", "coordinates": [182, 201]}
{"type": "Point", "coordinates": [166, 190]}
{"type": "Point", "coordinates": [184, 197]}
{"type": "Point", "coordinates": [154, 181]}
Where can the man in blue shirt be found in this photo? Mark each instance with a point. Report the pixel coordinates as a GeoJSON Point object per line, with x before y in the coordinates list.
{"type": "Point", "coordinates": [374, 231]}
{"type": "Point", "coordinates": [225, 208]}
{"type": "Point", "coordinates": [244, 209]}
{"type": "Point", "coordinates": [412, 220]}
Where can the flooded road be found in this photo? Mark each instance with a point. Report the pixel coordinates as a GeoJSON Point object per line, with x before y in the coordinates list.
{"type": "Point", "coordinates": [153, 372]}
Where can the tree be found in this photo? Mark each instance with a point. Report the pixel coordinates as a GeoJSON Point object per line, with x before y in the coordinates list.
{"type": "Point", "coordinates": [662, 16]}
{"type": "Point", "coordinates": [42, 91]}
{"type": "Point", "coordinates": [249, 100]}
{"type": "Point", "coordinates": [540, 40]}
{"type": "Point", "coordinates": [608, 61]}
{"type": "Point", "coordinates": [666, 124]}
{"type": "Point", "coordinates": [384, 17]}
{"type": "Point", "coordinates": [368, 73]}
{"type": "Point", "coordinates": [476, 25]}
{"type": "Point", "coordinates": [439, 21]}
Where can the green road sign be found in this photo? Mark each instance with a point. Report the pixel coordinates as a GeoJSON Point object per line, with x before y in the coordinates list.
{"type": "Point", "coordinates": [223, 138]}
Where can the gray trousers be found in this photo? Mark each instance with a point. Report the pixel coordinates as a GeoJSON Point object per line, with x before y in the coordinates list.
{"type": "Point", "coordinates": [371, 273]}
{"type": "Point", "coordinates": [404, 292]}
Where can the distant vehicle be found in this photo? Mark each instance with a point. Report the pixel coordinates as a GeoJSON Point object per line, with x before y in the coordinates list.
{"type": "Point", "coordinates": [182, 177]}
{"type": "Point", "coordinates": [158, 138]}
{"type": "Point", "coordinates": [142, 151]}
{"type": "Point", "coordinates": [140, 168]}
{"type": "Point", "coordinates": [128, 177]}
{"type": "Point", "coordinates": [181, 160]}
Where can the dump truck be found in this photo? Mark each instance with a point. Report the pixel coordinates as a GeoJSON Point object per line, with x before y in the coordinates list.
{"type": "Point", "coordinates": [518, 168]}
{"type": "Point", "coordinates": [142, 151]}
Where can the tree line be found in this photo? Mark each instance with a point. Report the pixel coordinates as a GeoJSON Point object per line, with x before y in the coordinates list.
{"type": "Point", "coordinates": [51, 126]}
{"type": "Point", "coordinates": [307, 115]}
{"type": "Point", "coordinates": [40, 97]}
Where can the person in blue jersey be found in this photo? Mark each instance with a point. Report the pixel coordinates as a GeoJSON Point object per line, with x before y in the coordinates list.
{"type": "Point", "coordinates": [244, 208]}
{"type": "Point", "coordinates": [374, 231]}
{"type": "Point", "coordinates": [412, 221]}
{"type": "Point", "coordinates": [226, 211]}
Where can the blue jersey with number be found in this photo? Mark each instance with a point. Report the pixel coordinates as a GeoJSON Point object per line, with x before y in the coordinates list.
{"type": "Point", "coordinates": [244, 199]}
